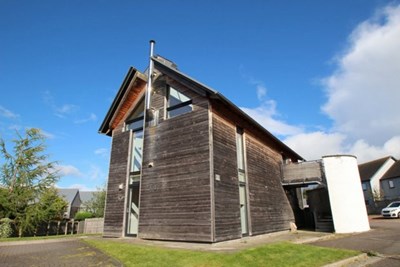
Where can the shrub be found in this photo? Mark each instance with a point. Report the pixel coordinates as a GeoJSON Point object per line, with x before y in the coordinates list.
{"type": "Point", "coordinates": [5, 228]}
{"type": "Point", "coordinates": [82, 215]}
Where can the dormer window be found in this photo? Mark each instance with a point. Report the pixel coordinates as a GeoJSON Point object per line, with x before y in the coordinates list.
{"type": "Point", "coordinates": [135, 120]}
{"type": "Point", "coordinates": [178, 103]}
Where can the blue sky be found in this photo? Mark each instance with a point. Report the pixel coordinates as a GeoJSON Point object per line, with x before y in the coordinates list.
{"type": "Point", "coordinates": [321, 75]}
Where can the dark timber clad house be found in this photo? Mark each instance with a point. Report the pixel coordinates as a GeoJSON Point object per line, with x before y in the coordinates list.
{"type": "Point", "coordinates": [200, 169]}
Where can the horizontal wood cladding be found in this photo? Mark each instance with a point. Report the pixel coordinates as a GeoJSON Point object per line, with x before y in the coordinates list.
{"type": "Point", "coordinates": [270, 210]}
{"type": "Point", "coordinates": [226, 191]}
{"type": "Point", "coordinates": [239, 120]}
{"type": "Point", "coordinates": [175, 187]}
{"type": "Point", "coordinates": [115, 201]}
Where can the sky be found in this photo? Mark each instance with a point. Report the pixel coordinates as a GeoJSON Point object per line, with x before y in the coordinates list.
{"type": "Point", "coordinates": [323, 76]}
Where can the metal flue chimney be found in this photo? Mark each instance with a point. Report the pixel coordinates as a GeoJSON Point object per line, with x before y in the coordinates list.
{"type": "Point", "coordinates": [150, 76]}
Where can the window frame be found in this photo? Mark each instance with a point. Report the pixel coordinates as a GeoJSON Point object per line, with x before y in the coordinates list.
{"type": "Point", "coordinates": [177, 106]}
{"type": "Point", "coordinates": [391, 184]}
{"type": "Point", "coordinates": [140, 118]}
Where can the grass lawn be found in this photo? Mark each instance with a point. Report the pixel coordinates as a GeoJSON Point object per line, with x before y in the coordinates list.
{"type": "Point", "coordinates": [278, 254]}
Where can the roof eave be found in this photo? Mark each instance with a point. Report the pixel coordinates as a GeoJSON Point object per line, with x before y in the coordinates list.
{"type": "Point", "coordinates": [104, 128]}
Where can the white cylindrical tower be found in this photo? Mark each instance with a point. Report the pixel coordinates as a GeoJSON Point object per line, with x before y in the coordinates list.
{"type": "Point", "coordinates": [346, 197]}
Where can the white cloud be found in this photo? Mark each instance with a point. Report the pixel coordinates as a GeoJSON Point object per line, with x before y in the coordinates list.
{"type": "Point", "coordinates": [46, 134]}
{"type": "Point", "coordinates": [265, 114]}
{"type": "Point", "coordinates": [15, 127]}
{"type": "Point", "coordinates": [103, 152]}
{"type": "Point", "coordinates": [364, 91]}
{"type": "Point", "coordinates": [261, 91]}
{"type": "Point", "coordinates": [366, 152]}
{"type": "Point", "coordinates": [82, 187]}
{"type": "Point", "coordinates": [7, 113]}
{"type": "Point", "coordinates": [96, 173]}
{"type": "Point", "coordinates": [60, 111]}
{"type": "Point", "coordinates": [91, 117]}
{"type": "Point", "coordinates": [316, 144]}
{"type": "Point", "coordinates": [362, 97]}
{"type": "Point", "coordinates": [65, 110]}
{"type": "Point", "coordinates": [68, 170]}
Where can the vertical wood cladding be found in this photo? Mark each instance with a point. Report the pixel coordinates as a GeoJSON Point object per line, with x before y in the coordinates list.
{"type": "Point", "coordinates": [270, 209]}
{"type": "Point", "coordinates": [226, 191]}
{"type": "Point", "coordinates": [115, 203]}
{"type": "Point", "coordinates": [175, 187]}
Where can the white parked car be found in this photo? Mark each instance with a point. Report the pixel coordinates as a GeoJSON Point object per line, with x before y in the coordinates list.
{"type": "Point", "coordinates": [392, 210]}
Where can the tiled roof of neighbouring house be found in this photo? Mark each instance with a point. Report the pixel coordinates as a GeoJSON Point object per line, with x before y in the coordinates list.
{"type": "Point", "coordinates": [393, 172]}
{"type": "Point", "coordinates": [368, 169]}
{"type": "Point", "coordinates": [68, 193]}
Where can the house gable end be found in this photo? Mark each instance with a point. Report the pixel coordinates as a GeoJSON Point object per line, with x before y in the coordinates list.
{"type": "Point", "coordinates": [130, 91]}
{"type": "Point", "coordinates": [369, 169]}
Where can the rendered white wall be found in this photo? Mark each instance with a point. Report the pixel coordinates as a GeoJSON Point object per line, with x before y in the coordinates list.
{"type": "Point", "coordinates": [345, 194]}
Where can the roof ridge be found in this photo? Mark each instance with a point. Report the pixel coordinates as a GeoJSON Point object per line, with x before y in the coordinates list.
{"type": "Point", "coordinates": [379, 159]}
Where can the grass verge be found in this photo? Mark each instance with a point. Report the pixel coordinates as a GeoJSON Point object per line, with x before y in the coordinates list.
{"type": "Point", "coordinates": [278, 254]}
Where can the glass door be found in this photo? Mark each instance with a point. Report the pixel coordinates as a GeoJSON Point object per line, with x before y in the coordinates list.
{"type": "Point", "coordinates": [243, 209]}
{"type": "Point", "coordinates": [132, 209]}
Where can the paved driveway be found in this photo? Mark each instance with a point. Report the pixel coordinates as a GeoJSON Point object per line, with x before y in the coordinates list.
{"type": "Point", "coordinates": [65, 252]}
{"type": "Point", "coordinates": [384, 239]}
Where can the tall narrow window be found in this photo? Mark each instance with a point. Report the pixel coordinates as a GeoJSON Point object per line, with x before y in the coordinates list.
{"type": "Point", "coordinates": [136, 152]}
{"type": "Point", "coordinates": [391, 184]}
{"type": "Point", "coordinates": [242, 181]}
{"type": "Point", "coordinates": [134, 124]}
{"type": "Point", "coordinates": [178, 103]}
{"type": "Point", "coordinates": [135, 120]}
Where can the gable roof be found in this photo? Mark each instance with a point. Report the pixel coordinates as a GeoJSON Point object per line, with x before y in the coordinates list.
{"type": "Point", "coordinates": [393, 172]}
{"type": "Point", "coordinates": [68, 194]}
{"type": "Point", "coordinates": [368, 169]}
{"type": "Point", "coordinates": [133, 78]}
{"type": "Point", "coordinates": [169, 69]}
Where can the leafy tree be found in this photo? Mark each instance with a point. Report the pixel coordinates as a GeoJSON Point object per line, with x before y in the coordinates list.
{"type": "Point", "coordinates": [50, 206]}
{"type": "Point", "coordinates": [5, 228]}
{"type": "Point", "coordinates": [26, 174]}
{"type": "Point", "coordinates": [97, 203]}
{"type": "Point", "coordinates": [82, 215]}
{"type": "Point", "coordinates": [4, 205]}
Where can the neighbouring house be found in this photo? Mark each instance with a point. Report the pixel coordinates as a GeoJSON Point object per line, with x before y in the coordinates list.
{"type": "Point", "coordinates": [199, 169]}
{"type": "Point", "coordinates": [390, 182]}
{"type": "Point", "coordinates": [85, 197]}
{"type": "Point", "coordinates": [371, 173]}
{"type": "Point", "coordinates": [72, 196]}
